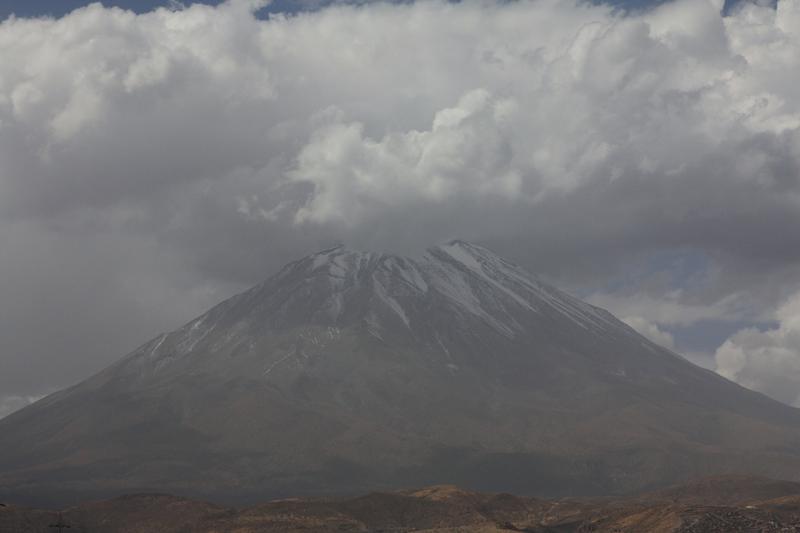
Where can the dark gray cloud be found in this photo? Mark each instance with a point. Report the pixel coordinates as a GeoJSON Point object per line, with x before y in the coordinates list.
{"type": "Point", "coordinates": [152, 164]}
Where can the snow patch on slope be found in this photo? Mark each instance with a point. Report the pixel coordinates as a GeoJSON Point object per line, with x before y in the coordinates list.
{"type": "Point", "coordinates": [459, 283]}
{"type": "Point", "coordinates": [394, 305]}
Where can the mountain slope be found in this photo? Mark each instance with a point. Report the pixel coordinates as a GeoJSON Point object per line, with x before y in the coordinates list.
{"type": "Point", "coordinates": [349, 371]}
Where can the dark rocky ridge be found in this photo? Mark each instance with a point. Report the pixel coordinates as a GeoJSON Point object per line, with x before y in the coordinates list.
{"type": "Point", "coordinates": [351, 371]}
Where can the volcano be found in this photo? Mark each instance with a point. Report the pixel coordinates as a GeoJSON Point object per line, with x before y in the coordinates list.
{"type": "Point", "coordinates": [350, 371]}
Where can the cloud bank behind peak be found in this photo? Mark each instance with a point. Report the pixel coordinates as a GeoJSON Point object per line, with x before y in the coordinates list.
{"type": "Point", "coordinates": [152, 163]}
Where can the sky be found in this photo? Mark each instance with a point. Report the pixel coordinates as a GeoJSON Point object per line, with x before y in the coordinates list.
{"type": "Point", "coordinates": [58, 8]}
{"type": "Point", "coordinates": [156, 161]}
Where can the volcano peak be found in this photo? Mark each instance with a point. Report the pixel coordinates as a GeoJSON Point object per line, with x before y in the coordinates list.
{"type": "Point", "coordinates": [349, 370]}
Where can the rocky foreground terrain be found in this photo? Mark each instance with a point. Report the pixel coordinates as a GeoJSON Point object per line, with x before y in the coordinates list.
{"type": "Point", "coordinates": [724, 505]}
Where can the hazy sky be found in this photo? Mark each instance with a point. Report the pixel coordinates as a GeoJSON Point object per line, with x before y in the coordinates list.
{"type": "Point", "coordinates": [152, 164]}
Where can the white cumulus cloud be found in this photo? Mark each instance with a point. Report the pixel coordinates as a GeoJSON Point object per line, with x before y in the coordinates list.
{"type": "Point", "coordinates": [152, 163]}
{"type": "Point", "coordinates": [767, 361]}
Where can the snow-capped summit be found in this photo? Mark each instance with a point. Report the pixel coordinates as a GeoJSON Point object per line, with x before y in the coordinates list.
{"type": "Point", "coordinates": [352, 370]}
{"type": "Point", "coordinates": [454, 297]}
{"type": "Point", "coordinates": [465, 277]}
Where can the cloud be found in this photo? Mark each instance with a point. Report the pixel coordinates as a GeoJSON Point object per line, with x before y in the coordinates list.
{"type": "Point", "coordinates": [767, 361]}
{"type": "Point", "coordinates": [464, 152]}
{"type": "Point", "coordinates": [151, 164]}
{"type": "Point", "coordinates": [651, 331]}
{"type": "Point", "coordinates": [9, 404]}
{"type": "Point", "coordinates": [668, 309]}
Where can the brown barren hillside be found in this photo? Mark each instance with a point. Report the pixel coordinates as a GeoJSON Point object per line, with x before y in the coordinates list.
{"type": "Point", "coordinates": [736, 507]}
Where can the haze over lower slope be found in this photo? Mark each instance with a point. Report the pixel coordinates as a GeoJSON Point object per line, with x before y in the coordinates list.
{"type": "Point", "coordinates": [348, 371]}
